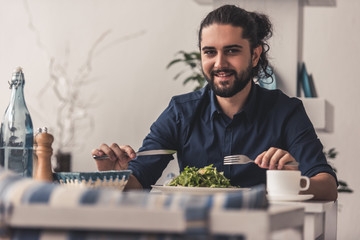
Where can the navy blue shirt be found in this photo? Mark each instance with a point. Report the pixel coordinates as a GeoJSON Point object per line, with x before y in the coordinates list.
{"type": "Point", "coordinates": [194, 125]}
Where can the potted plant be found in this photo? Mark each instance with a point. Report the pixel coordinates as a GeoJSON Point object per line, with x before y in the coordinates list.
{"type": "Point", "coordinates": [192, 61]}
{"type": "Point", "coordinates": [343, 186]}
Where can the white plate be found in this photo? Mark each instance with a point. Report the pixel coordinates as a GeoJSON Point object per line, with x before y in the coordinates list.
{"type": "Point", "coordinates": [195, 190]}
{"type": "Point", "coordinates": [300, 197]}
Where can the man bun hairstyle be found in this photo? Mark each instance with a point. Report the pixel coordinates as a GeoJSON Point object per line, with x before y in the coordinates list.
{"type": "Point", "coordinates": [257, 29]}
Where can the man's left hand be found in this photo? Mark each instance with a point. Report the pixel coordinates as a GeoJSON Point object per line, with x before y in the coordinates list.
{"type": "Point", "coordinates": [275, 158]}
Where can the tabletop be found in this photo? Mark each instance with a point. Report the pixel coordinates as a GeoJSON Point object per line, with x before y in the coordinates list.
{"type": "Point", "coordinates": [254, 224]}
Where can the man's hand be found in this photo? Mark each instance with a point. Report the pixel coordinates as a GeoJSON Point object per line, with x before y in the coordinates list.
{"type": "Point", "coordinates": [275, 158]}
{"type": "Point", "coordinates": [119, 157]}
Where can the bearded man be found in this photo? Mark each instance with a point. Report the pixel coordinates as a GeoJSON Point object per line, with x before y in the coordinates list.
{"type": "Point", "coordinates": [231, 115]}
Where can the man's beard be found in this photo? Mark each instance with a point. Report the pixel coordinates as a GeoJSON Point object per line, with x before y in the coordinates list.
{"type": "Point", "coordinates": [240, 82]}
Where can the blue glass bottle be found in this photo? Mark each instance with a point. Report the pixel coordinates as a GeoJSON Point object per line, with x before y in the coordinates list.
{"type": "Point", "coordinates": [16, 136]}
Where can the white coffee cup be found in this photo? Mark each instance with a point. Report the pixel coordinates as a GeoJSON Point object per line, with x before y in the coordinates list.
{"type": "Point", "coordinates": [285, 182]}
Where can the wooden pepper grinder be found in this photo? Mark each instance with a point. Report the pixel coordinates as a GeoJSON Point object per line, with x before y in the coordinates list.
{"type": "Point", "coordinates": [43, 152]}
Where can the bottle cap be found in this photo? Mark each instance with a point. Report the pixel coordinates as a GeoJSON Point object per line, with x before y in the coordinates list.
{"type": "Point", "coordinates": [18, 69]}
{"type": "Point", "coordinates": [17, 78]}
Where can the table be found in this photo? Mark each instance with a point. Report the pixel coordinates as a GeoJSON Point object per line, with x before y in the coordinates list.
{"type": "Point", "coordinates": [40, 210]}
{"type": "Point", "coordinates": [259, 224]}
{"type": "Point", "coordinates": [320, 218]}
{"type": "Point", "coordinates": [253, 224]}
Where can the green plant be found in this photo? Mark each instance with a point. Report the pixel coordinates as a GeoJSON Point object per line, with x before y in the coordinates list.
{"type": "Point", "coordinates": [343, 186]}
{"type": "Point", "coordinates": [193, 62]}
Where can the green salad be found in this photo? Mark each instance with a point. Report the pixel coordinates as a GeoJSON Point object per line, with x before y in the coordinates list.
{"type": "Point", "coordinates": [203, 177]}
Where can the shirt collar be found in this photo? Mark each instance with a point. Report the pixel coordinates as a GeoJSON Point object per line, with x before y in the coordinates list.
{"type": "Point", "coordinates": [250, 106]}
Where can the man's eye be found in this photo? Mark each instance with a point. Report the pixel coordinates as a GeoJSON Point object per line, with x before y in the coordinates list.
{"type": "Point", "coordinates": [233, 50]}
{"type": "Point", "coordinates": [209, 52]}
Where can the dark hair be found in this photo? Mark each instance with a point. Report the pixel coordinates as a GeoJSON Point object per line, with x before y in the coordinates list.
{"type": "Point", "coordinates": [257, 29]}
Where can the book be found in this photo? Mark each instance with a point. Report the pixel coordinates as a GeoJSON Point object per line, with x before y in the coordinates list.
{"type": "Point", "coordinates": [306, 83]}
{"type": "Point", "coordinates": [312, 86]}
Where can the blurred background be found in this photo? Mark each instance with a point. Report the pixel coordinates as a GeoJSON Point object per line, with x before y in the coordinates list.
{"type": "Point", "coordinates": [95, 70]}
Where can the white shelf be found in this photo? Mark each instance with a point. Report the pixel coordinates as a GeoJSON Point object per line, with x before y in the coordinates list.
{"type": "Point", "coordinates": [204, 2]}
{"type": "Point", "coordinates": [320, 112]}
{"type": "Point", "coordinates": [323, 3]}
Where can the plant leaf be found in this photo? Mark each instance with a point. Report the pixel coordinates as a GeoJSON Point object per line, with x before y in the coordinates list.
{"type": "Point", "coordinates": [347, 190]}
{"type": "Point", "coordinates": [173, 62]}
{"type": "Point", "coordinates": [197, 88]}
{"type": "Point", "coordinates": [178, 74]}
{"type": "Point", "coordinates": [188, 79]}
{"type": "Point", "coordinates": [342, 183]}
{"type": "Point", "coordinates": [192, 64]}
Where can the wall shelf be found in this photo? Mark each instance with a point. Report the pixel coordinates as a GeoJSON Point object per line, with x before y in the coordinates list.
{"type": "Point", "coordinates": [320, 112]}
{"type": "Point", "coordinates": [307, 2]}
{"type": "Point", "coordinates": [322, 3]}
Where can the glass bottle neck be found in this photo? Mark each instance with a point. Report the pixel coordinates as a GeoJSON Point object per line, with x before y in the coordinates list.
{"type": "Point", "coordinates": [17, 89]}
{"type": "Point", "coordinates": [17, 96]}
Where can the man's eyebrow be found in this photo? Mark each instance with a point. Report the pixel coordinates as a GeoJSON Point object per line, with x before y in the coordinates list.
{"type": "Point", "coordinates": [226, 47]}
{"type": "Point", "coordinates": [233, 46]}
{"type": "Point", "coordinates": [207, 48]}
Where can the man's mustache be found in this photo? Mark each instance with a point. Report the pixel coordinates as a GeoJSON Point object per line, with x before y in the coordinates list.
{"type": "Point", "coordinates": [225, 70]}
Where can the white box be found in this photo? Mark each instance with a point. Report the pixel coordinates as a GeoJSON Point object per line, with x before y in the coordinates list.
{"type": "Point", "coordinates": [320, 112]}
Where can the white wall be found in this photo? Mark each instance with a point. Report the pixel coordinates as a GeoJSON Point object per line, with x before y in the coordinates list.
{"type": "Point", "coordinates": [331, 52]}
{"type": "Point", "coordinates": [128, 85]}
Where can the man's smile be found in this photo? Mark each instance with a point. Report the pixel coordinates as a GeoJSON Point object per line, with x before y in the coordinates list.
{"type": "Point", "coordinates": [223, 74]}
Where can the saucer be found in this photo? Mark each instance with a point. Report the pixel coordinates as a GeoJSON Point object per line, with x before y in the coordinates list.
{"type": "Point", "coordinates": [300, 197]}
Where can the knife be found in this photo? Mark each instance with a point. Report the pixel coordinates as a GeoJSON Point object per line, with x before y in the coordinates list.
{"type": "Point", "coordinates": [143, 153]}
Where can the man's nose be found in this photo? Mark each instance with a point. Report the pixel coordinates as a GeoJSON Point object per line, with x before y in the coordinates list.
{"type": "Point", "coordinates": [220, 61]}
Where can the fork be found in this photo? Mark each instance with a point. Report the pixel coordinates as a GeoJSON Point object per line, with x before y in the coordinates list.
{"type": "Point", "coordinates": [243, 159]}
{"type": "Point", "coordinates": [143, 153]}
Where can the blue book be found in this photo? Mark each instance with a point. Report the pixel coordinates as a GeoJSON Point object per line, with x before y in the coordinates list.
{"type": "Point", "coordinates": [312, 86]}
{"type": "Point", "coordinates": [304, 80]}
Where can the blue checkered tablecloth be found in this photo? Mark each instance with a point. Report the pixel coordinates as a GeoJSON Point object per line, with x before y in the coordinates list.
{"type": "Point", "coordinates": [18, 191]}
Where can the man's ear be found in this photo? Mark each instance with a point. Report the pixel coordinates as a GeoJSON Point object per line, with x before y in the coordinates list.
{"type": "Point", "coordinates": [256, 55]}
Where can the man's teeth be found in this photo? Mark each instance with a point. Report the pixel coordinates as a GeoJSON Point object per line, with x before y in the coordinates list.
{"type": "Point", "coordinates": [223, 74]}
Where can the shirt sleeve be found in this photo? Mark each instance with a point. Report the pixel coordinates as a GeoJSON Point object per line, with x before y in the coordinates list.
{"type": "Point", "coordinates": [304, 144]}
{"type": "Point", "coordinates": [163, 135]}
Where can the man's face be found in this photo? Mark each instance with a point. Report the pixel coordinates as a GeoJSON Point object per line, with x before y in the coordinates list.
{"type": "Point", "coordinates": [226, 59]}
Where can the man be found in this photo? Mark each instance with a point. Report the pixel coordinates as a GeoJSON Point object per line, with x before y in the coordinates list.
{"type": "Point", "coordinates": [231, 115]}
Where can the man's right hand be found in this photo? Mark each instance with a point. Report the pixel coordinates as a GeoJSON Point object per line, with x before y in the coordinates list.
{"type": "Point", "coordinates": [119, 157]}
